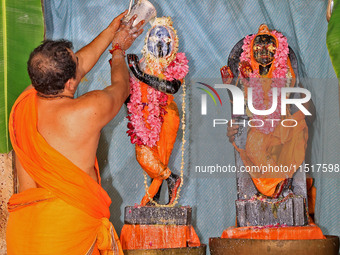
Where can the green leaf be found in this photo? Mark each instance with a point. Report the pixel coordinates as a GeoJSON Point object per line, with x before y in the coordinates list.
{"type": "Point", "coordinates": [21, 30]}
{"type": "Point", "coordinates": [333, 37]}
{"type": "Point", "coordinates": [275, 209]}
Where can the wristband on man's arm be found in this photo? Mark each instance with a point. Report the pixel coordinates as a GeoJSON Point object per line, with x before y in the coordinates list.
{"type": "Point", "coordinates": [114, 48]}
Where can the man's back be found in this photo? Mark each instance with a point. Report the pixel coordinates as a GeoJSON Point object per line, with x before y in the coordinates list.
{"type": "Point", "coordinates": [64, 124]}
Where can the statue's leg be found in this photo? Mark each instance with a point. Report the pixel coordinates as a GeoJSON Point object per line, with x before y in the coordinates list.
{"type": "Point", "coordinates": [174, 181]}
{"type": "Point", "coordinates": [257, 151]}
{"type": "Point", "coordinates": [285, 147]}
{"type": "Point", "coordinates": [168, 134]}
{"type": "Point", "coordinates": [153, 189]}
{"type": "Point", "coordinates": [154, 160]}
{"type": "Point", "coordinates": [165, 146]}
{"type": "Point", "coordinates": [158, 194]}
{"type": "Point", "coordinates": [148, 158]}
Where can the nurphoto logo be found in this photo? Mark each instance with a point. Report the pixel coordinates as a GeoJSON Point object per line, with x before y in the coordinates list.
{"type": "Point", "coordinates": [238, 103]}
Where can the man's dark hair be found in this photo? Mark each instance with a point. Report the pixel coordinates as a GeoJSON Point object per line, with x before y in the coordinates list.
{"type": "Point", "coordinates": [51, 65]}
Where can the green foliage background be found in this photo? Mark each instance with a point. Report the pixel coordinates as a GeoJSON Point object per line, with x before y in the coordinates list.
{"type": "Point", "coordinates": [333, 37]}
{"type": "Point", "coordinates": [21, 30]}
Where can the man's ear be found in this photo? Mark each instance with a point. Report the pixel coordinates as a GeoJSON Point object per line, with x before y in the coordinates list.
{"type": "Point", "coordinates": [71, 85]}
{"type": "Point", "coordinates": [329, 9]}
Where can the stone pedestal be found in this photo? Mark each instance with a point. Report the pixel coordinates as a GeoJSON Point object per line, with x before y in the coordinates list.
{"type": "Point", "coordinates": [149, 215]}
{"type": "Point", "coordinates": [156, 228]}
{"type": "Point", "coordinates": [290, 212]}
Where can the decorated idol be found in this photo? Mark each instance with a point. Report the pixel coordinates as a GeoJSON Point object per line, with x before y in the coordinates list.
{"type": "Point", "coordinates": [152, 112]}
{"type": "Point", "coordinates": [264, 64]}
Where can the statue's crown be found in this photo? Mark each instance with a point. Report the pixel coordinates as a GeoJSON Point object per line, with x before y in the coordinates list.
{"type": "Point", "coordinates": [263, 29]}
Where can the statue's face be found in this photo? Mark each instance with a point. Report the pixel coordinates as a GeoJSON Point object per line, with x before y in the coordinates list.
{"type": "Point", "coordinates": [159, 42]}
{"type": "Point", "coordinates": [264, 49]}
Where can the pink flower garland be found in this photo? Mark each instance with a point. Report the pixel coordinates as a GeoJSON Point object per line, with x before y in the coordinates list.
{"type": "Point", "coordinates": [178, 68]}
{"type": "Point", "coordinates": [139, 131]}
{"type": "Point", "coordinates": [278, 81]}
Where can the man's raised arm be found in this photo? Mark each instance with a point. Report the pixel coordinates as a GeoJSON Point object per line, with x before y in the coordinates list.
{"type": "Point", "coordinates": [89, 54]}
{"type": "Point", "coordinates": [103, 105]}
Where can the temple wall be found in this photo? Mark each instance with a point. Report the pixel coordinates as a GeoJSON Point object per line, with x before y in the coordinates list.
{"type": "Point", "coordinates": [6, 191]}
{"type": "Point", "coordinates": [214, 27]}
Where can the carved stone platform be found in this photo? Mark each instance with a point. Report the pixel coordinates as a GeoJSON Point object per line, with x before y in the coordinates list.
{"type": "Point", "coordinates": [290, 212]}
{"type": "Point", "coordinates": [149, 215]}
{"type": "Point", "coordinates": [159, 228]}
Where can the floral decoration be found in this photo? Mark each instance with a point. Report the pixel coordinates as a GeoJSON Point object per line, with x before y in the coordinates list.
{"type": "Point", "coordinates": [145, 131]}
{"type": "Point", "coordinates": [278, 79]}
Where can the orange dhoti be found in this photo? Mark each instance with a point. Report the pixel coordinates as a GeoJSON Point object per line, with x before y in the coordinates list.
{"type": "Point", "coordinates": [154, 161]}
{"type": "Point", "coordinates": [284, 147]}
{"type": "Point", "coordinates": [69, 213]}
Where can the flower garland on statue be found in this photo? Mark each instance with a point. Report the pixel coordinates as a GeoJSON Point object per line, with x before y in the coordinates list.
{"type": "Point", "coordinates": [279, 74]}
{"type": "Point", "coordinates": [182, 155]}
{"type": "Point", "coordinates": [146, 132]}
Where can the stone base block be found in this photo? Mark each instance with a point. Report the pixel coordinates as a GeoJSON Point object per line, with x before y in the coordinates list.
{"type": "Point", "coordinates": [290, 212]}
{"type": "Point", "coordinates": [149, 215]}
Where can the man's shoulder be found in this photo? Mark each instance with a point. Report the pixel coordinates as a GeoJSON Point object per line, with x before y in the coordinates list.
{"type": "Point", "coordinates": [28, 88]}
{"type": "Point", "coordinates": [89, 101]}
{"type": "Point", "coordinates": [89, 108]}
{"type": "Point", "coordinates": [28, 92]}
{"type": "Point", "coordinates": [96, 100]}
{"type": "Point", "coordinates": [97, 106]}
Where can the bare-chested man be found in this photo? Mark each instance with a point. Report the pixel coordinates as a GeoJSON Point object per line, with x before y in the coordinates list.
{"type": "Point", "coordinates": [61, 207]}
